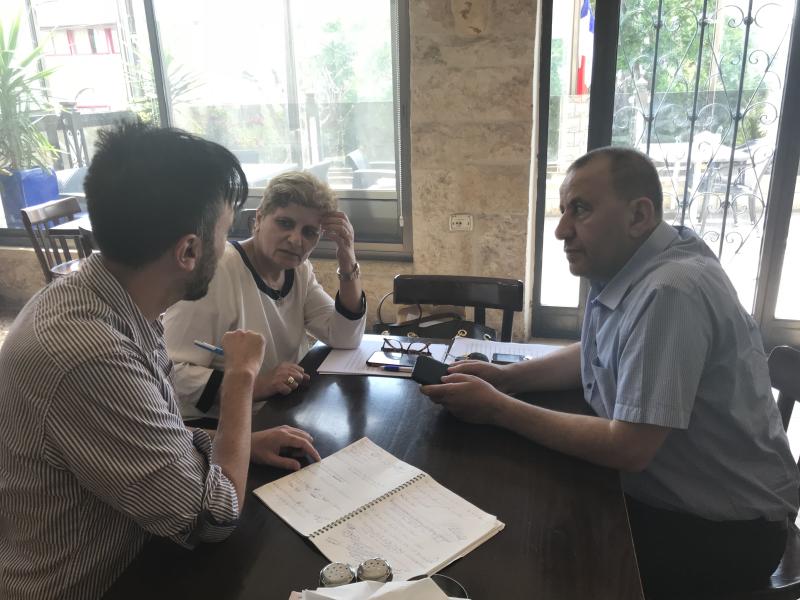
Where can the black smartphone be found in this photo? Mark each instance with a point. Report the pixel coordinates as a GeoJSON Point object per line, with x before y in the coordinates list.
{"type": "Point", "coordinates": [428, 371]}
{"type": "Point", "coordinates": [394, 359]}
{"type": "Point", "coordinates": [506, 359]}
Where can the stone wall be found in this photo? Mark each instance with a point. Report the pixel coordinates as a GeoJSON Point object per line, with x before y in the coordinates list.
{"type": "Point", "coordinates": [471, 116]}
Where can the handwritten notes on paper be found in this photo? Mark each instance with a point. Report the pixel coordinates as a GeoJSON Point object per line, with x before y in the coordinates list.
{"type": "Point", "coordinates": [323, 492]}
{"type": "Point", "coordinates": [362, 502]}
{"type": "Point", "coordinates": [419, 529]}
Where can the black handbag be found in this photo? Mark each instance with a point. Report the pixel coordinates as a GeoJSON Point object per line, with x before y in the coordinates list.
{"type": "Point", "coordinates": [445, 325]}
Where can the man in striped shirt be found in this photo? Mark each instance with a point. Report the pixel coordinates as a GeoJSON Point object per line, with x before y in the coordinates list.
{"type": "Point", "coordinates": [94, 457]}
{"type": "Point", "coordinates": [674, 368]}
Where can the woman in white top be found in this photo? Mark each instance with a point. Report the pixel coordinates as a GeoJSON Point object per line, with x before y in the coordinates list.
{"type": "Point", "coordinates": [266, 284]}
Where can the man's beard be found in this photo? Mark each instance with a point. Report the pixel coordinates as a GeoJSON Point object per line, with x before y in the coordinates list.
{"type": "Point", "coordinates": [198, 285]}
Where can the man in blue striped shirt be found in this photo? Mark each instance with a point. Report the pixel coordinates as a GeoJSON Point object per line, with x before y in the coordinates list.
{"type": "Point", "coordinates": [675, 370]}
{"type": "Point", "coordinates": [94, 457]}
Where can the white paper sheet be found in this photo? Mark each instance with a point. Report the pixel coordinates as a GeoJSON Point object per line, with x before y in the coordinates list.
{"type": "Point", "coordinates": [424, 589]}
{"type": "Point", "coordinates": [362, 590]}
{"type": "Point", "coordinates": [362, 502]}
{"type": "Point", "coordinates": [463, 346]}
{"type": "Point", "coordinates": [325, 491]}
{"type": "Point", "coordinates": [418, 530]}
{"type": "Point", "coordinates": [354, 362]}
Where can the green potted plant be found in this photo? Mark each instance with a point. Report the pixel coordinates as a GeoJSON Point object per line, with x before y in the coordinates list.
{"type": "Point", "coordinates": [25, 153]}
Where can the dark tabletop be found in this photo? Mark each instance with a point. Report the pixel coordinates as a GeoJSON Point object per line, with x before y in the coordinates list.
{"type": "Point", "coordinates": [566, 533]}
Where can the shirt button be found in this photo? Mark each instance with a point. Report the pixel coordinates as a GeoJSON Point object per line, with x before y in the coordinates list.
{"type": "Point", "coordinates": [589, 385]}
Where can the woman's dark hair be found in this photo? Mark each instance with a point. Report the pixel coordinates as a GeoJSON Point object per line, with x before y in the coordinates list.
{"type": "Point", "coordinates": [148, 186]}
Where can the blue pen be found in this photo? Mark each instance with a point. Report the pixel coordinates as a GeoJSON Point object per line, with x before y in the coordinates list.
{"type": "Point", "coordinates": [397, 368]}
{"type": "Point", "coordinates": [209, 347]}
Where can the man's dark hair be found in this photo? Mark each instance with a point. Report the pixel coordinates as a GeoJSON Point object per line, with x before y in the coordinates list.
{"type": "Point", "coordinates": [632, 173]}
{"type": "Point", "coordinates": [147, 187]}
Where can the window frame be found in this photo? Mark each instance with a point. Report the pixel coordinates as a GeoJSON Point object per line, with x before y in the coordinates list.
{"type": "Point", "coordinates": [401, 61]}
{"type": "Point", "coordinates": [565, 322]}
{"type": "Point", "coordinates": [785, 169]}
{"type": "Point", "coordinates": [401, 68]}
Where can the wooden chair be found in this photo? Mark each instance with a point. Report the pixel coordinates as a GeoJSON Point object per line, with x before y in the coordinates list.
{"type": "Point", "coordinates": [784, 584]}
{"type": "Point", "coordinates": [479, 293]}
{"type": "Point", "coordinates": [784, 372]}
{"type": "Point", "coordinates": [55, 254]}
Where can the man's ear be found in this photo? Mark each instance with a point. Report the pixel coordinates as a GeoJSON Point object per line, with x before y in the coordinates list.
{"type": "Point", "coordinates": [642, 217]}
{"type": "Point", "coordinates": [187, 251]}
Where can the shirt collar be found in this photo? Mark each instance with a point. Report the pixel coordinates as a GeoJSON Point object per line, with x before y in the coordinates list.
{"type": "Point", "coordinates": [611, 294]}
{"type": "Point", "coordinates": [146, 334]}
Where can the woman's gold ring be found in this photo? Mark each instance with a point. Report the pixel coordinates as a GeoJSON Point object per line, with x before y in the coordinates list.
{"type": "Point", "coordinates": [290, 381]}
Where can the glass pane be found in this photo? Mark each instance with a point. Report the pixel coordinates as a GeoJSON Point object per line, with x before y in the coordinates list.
{"type": "Point", "coordinates": [298, 84]}
{"type": "Point", "coordinates": [567, 133]}
{"type": "Point", "coordinates": [343, 60]}
{"type": "Point", "coordinates": [701, 94]}
{"type": "Point", "coordinates": [787, 306]}
{"type": "Point", "coordinates": [99, 56]}
{"type": "Point", "coordinates": [226, 79]}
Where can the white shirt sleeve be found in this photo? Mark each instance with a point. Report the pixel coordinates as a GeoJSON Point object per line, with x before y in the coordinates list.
{"type": "Point", "coordinates": [207, 320]}
{"type": "Point", "coordinates": [326, 323]}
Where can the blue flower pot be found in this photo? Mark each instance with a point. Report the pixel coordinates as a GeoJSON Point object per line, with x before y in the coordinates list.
{"type": "Point", "coordinates": [26, 188]}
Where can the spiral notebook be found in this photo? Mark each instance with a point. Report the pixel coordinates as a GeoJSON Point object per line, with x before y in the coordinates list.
{"type": "Point", "coordinates": [361, 502]}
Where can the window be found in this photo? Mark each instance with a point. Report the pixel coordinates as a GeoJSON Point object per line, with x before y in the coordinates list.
{"type": "Point", "coordinates": [92, 42]}
{"type": "Point", "coordinates": [298, 84]}
{"type": "Point", "coordinates": [700, 86]}
{"type": "Point", "coordinates": [567, 47]}
{"type": "Point", "coordinates": [58, 42]}
{"type": "Point", "coordinates": [110, 37]}
{"type": "Point", "coordinates": [71, 41]}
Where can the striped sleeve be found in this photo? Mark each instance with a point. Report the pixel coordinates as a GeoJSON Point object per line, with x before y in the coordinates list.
{"type": "Point", "coordinates": [115, 433]}
{"type": "Point", "coordinates": [662, 359]}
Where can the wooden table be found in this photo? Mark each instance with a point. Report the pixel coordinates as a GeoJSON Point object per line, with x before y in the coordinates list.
{"type": "Point", "coordinates": [566, 534]}
{"type": "Point", "coordinates": [71, 228]}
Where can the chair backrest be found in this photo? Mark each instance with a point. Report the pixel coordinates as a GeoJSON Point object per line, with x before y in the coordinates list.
{"type": "Point", "coordinates": [243, 224]}
{"type": "Point", "coordinates": [784, 372]}
{"type": "Point", "coordinates": [479, 293]}
{"type": "Point", "coordinates": [356, 160]}
{"type": "Point", "coordinates": [51, 251]}
{"type": "Point", "coordinates": [70, 181]}
{"type": "Point", "coordinates": [75, 146]}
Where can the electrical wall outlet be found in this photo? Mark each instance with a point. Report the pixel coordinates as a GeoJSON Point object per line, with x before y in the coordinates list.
{"type": "Point", "coordinates": [461, 222]}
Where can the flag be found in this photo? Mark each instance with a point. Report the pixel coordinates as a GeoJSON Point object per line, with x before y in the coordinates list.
{"type": "Point", "coordinates": [585, 49]}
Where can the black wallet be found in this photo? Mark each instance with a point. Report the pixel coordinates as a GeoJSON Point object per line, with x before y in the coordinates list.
{"type": "Point", "coordinates": [428, 371]}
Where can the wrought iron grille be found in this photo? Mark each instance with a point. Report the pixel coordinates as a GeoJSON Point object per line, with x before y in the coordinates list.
{"type": "Point", "coordinates": [698, 88]}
